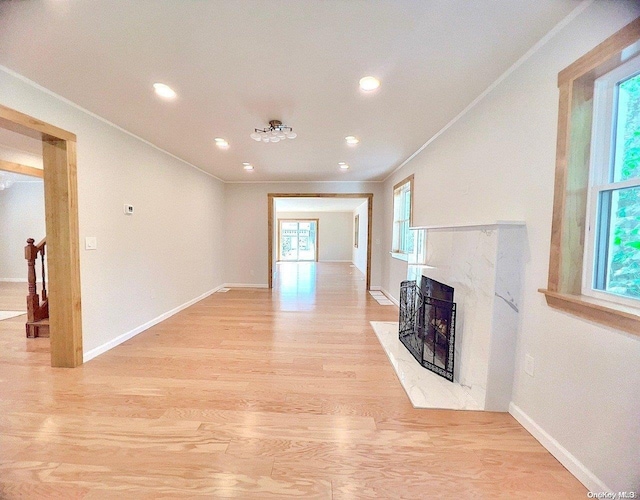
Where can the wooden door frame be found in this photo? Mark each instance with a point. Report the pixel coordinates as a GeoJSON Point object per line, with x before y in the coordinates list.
{"type": "Point", "coordinates": [63, 249]}
{"type": "Point", "coordinates": [317, 245]}
{"type": "Point", "coordinates": [271, 214]}
{"type": "Point", "coordinates": [17, 168]}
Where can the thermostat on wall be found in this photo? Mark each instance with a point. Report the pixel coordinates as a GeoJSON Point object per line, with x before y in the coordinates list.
{"type": "Point", "coordinates": [128, 209]}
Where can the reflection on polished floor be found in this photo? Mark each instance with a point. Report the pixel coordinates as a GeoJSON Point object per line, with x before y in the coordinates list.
{"type": "Point", "coordinates": [254, 393]}
{"type": "Point", "coordinates": [13, 297]}
{"type": "Point", "coordinates": [303, 283]}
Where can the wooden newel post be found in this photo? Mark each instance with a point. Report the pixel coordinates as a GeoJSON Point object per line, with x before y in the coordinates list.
{"type": "Point", "coordinates": [33, 301]}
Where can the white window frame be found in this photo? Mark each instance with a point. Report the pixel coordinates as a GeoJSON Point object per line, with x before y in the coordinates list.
{"type": "Point", "coordinates": [601, 164]}
{"type": "Point", "coordinates": [398, 244]}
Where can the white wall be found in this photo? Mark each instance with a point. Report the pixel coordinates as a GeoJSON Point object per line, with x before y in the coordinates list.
{"type": "Point", "coordinates": [246, 222]}
{"type": "Point", "coordinates": [359, 255]}
{"type": "Point", "coordinates": [335, 233]}
{"type": "Point", "coordinates": [21, 217]}
{"type": "Point", "coordinates": [168, 253]}
{"type": "Point", "coordinates": [497, 163]}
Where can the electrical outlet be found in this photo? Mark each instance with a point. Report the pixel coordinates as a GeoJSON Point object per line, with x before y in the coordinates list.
{"type": "Point", "coordinates": [528, 365]}
{"type": "Point", "coordinates": [128, 209]}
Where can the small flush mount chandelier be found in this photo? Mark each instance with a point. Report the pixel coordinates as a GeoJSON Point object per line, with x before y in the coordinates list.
{"type": "Point", "coordinates": [275, 132]}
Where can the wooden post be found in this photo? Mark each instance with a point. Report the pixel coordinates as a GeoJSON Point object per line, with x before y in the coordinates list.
{"type": "Point", "coordinates": [33, 301]}
{"type": "Point", "coordinates": [61, 208]}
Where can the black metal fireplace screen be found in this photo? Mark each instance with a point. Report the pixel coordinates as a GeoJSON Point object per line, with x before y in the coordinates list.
{"type": "Point", "coordinates": [427, 324]}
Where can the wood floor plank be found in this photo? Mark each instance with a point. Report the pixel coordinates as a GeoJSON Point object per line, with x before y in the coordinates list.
{"type": "Point", "coordinates": [251, 394]}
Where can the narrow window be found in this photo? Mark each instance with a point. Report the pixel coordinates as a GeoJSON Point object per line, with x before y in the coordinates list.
{"type": "Point", "coordinates": [402, 216]}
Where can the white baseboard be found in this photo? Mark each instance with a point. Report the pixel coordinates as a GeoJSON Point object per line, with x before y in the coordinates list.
{"type": "Point", "coordinates": [375, 288]}
{"type": "Point", "coordinates": [89, 355]}
{"type": "Point", "coordinates": [573, 465]}
{"type": "Point", "coordinates": [245, 285]}
{"type": "Point", "coordinates": [390, 297]}
{"type": "Point", "coordinates": [13, 280]}
{"type": "Point", "coordinates": [324, 260]}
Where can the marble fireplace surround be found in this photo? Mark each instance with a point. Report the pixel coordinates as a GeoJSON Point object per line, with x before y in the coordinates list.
{"type": "Point", "coordinates": [484, 264]}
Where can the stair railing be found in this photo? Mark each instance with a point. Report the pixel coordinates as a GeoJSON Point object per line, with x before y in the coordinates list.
{"type": "Point", "coordinates": [37, 304]}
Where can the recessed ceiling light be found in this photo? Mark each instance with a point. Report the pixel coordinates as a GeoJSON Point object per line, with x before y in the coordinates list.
{"type": "Point", "coordinates": [221, 143]}
{"type": "Point", "coordinates": [164, 91]}
{"type": "Point", "coordinates": [343, 165]}
{"type": "Point", "coordinates": [351, 140]}
{"type": "Point", "coordinates": [369, 83]}
{"type": "Point", "coordinates": [247, 166]}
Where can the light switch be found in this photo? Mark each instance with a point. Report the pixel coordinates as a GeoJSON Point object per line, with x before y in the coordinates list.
{"type": "Point", "coordinates": [90, 243]}
{"type": "Point", "coordinates": [528, 364]}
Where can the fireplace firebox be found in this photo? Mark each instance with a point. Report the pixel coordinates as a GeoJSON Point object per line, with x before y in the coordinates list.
{"type": "Point", "coordinates": [427, 324]}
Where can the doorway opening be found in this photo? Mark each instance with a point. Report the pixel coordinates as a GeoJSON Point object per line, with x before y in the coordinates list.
{"type": "Point", "coordinates": [22, 217]}
{"type": "Point", "coordinates": [343, 222]}
{"type": "Point", "coordinates": [61, 222]}
{"type": "Point", "coordinates": [298, 240]}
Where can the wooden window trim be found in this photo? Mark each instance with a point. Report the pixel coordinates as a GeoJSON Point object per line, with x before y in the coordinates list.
{"type": "Point", "coordinates": [406, 180]}
{"type": "Point", "coordinates": [572, 183]}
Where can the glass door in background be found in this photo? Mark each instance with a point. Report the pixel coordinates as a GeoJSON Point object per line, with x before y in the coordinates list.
{"type": "Point", "coordinates": [298, 240]}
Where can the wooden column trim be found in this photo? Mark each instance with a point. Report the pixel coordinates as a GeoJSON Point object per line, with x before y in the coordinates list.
{"type": "Point", "coordinates": [61, 202]}
{"type": "Point", "coordinates": [61, 206]}
{"type": "Point", "coordinates": [369, 238]}
{"type": "Point", "coordinates": [17, 168]}
{"type": "Point", "coordinates": [11, 119]}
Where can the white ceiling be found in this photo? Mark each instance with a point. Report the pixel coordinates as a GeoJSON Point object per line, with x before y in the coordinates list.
{"type": "Point", "coordinates": [318, 204]}
{"type": "Point", "coordinates": [236, 64]}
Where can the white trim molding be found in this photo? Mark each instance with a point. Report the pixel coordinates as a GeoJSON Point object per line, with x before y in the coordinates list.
{"type": "Point", "coordinates": [89, 355]}
{"type": "Point", "coordinates": [245, 285]}
{"type": "Point", "coordinates": [573, 465]}
{"type": "Point", "coordinates": [13, 280]}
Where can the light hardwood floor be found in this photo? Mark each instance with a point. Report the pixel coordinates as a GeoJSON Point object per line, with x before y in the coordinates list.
{"type": "Point", "coordinates": [253, 394]}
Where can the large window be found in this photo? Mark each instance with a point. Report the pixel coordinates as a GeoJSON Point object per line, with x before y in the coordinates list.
{"type": "Point", "coordinates": [594, 259]}
{"type": "Point", "coordinates": [402, 208]}
{"type": "Point", "coordinates": [612, 250]}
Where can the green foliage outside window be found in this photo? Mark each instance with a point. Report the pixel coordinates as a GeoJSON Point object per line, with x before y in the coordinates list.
{"type": "Point", "coordinates": [624, 273]}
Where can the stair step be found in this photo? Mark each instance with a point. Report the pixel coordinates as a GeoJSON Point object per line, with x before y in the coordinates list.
{"type": "Point", "coordinates": [42, 322]}
{"type": "Point", "coordinates": [38, 328]}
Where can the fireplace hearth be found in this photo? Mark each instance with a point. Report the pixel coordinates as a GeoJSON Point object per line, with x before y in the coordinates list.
{"type": "Point", "coordinates": [427, 324]}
